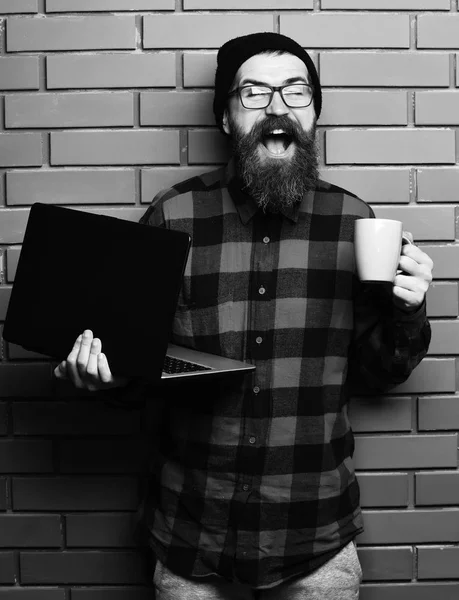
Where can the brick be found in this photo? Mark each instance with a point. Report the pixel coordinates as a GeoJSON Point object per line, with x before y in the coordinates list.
{"type": "Point", "coordinates": [89, 186]}
{"type": "Point", "coordinates": [438, 562]}
{"type": "Point", "coordinates": [110, 70]}
{"type": "Point", "coordinates": [437, 489]}
{"type": "Point", "coordinates": [436, 108]}
{"type": "Point", "coordinates": [25, 380]}
{"type": "Point", "coordinates": [242, 4]}
{"type": "Point", "coordinates": [12, 225]}
{"type": "Point", "coordinates": [74, 493]}
{"type": "Point", "coordinates": [345, 107]}
{"type": "Point", "coordinates": [445, 337]}
{"type": "Point", "coordinates": [208, 147]}
{"type": "Point", "coordinates": [114, 147]}
{"type": "Point", "coordinates": [107, 593]}
{"type": "Point", "coordinates": [199, 69]}
{"type": "Point", "coordinates": [410, 591]}
{"type": "Point", "coordinates": [7, 570]}
{"type": "Point", "coordinates": [410, 526]}
{"type": "Point", "coordinates": [5, 293]}
{"type": "Point", "coordinates": [19, 73]}
{"type": "Point", "coordinates": [386, 4]}
{"type": "Point", "coordinates": [176, 108]}
{"type": "Point", "coordinates": [99, 530]}
{"type": "Point", "coordinates": [438, 31]}
{"type": "Point", "coordinates": [23, 456]}
{"type": "Point", "coordinates": [102, 456]}
{"type": "Point", "coordinates": [390, 146]}
{"type": "Point", "coordinates": [391, 69]}
{"type": "Point", "coordinates": [437, 412]}
{"type": "Point", "coordinates": [200, 31]}
{"type": "Point", "coordinates": [89, 109]}
{"type": "Point", "coordinates": [442, 300]}
{"type": "Point", "coordinates": [81, 567]}
{"type": "Point", "coordinates": [372, 185]}
{"type": "Point", "coordinates": [405, 451]}
{"type": "Point", "coordinates": [12, 258]}
{"type": "Point", "coordinates": [20, 150]}
{"type": "Point", "coordinates": [347, 30]}
{"type": "Point", "coordinates": [383, 489]}
{"type": "Point", "coordinates": [438, 184]}
{"type": "Point", "coordinates": [3, 418]}
{"type": "Point", "coordinates": [55, 6]}
{"type": "Point", "coordinates": [424, 222]}
{"type": "Point", "coordinates": [386, 563]}
{"type": "Point", "coordinates": [3, 495]}
{"type": "Point", "coordinates": [380, 414]}
{"type": "Point", "coordinates": [71, 33]}
{"type": "Point", "coordinates": [26, 531]}
{"type": "Point", "coordinates": [160, 178]}
{"type": "Point", "coordinates": [31, 593]}
{"type": "Point", "coordinates": [79, 417]}
{"type": "Point", "coordinates": [18, 6]}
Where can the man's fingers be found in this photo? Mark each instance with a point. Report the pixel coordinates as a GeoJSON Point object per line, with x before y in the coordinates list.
{"type": "Point", "coordinates": [91, 367]}
{"type": "Point", "coordinates": [72, 370]}
{"type": "Point", "coordinates": [104, 370]}
{"type": "Point", "coordinates": [61, 370]}
{"type": "Point", "coordinates": [418, 255]}
{"type": "Point", "coordinates": [83, 354]}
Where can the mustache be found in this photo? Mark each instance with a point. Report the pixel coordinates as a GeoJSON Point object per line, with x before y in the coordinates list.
{"type": "Point", "coordinates": [271, 123]}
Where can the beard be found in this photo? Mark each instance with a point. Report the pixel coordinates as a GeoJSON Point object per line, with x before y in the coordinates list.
{"type": "Point", "coordinates": [276, 183]}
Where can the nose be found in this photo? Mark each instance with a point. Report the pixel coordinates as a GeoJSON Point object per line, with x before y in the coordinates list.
{"type": "Point", "coordinates": [277, 106]}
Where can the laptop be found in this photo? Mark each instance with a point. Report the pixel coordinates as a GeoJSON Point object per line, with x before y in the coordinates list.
{"type": "Point", "coordinates": [79, 270]}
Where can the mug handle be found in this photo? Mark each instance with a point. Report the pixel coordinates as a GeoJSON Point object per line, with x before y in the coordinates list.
{"type": "Point", "coordinates": [407, 238]}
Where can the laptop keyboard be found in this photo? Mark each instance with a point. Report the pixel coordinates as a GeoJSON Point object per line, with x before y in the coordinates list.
{"type": "Point", "coordinates": [176, 365]}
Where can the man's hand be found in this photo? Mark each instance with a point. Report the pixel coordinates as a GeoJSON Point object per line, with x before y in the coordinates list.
{"type": "Point", "coordinates": [412, 281]}
{"type": "Point", "coordinates": [87, 367]}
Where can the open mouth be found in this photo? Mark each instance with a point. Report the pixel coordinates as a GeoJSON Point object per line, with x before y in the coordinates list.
{"type": "Point", "coordinates": [277, 141]}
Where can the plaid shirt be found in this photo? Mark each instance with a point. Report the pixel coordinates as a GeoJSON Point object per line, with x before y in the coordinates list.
{"type": "Point", "coordinates": [253, 478]}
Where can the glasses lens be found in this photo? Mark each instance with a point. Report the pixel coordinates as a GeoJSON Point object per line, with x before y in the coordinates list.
{"type": "Point", "coordinates": [255, 96]}
{"type": "Point", "coordinates": [297, 95]}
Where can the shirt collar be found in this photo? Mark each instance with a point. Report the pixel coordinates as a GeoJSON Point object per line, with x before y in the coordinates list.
{"type": "Point", "coordinates": [245, 205]}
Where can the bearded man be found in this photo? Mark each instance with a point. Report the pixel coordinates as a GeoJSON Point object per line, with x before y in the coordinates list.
{"type": "Point", "coordinates": [253, 491]}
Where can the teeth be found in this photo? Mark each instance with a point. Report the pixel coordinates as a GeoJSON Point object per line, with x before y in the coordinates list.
{"type": "Point", "coordinates": [277, 132]}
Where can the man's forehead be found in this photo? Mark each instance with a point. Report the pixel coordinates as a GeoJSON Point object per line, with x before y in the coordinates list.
{"type": "Point", "coordinates": [271, 68]}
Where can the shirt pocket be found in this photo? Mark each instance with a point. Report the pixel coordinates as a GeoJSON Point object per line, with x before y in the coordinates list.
{"type": "Point", "coordinates": [204, 315]}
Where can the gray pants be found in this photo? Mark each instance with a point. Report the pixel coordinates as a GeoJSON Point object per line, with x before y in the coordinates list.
{"type": "Point", "coordinates": [338, 579]}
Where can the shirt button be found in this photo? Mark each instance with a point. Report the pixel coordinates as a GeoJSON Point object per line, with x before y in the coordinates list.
{"type": "Point", "coordinates": [252, 439]}
{"type": "Point", "coordinates": [259, 339]}
{"type": "Point", "coordinates": [256, 390]}
{"type": "Point", "coordinates": [245, 487]}
{"type": "Point", "coordinates": [266, 240]}
{"type": "Point", "coordinates": [261, 290]}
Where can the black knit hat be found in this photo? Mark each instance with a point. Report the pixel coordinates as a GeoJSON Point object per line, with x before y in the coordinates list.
{"type": "Point", "coordinates": [236, 51]}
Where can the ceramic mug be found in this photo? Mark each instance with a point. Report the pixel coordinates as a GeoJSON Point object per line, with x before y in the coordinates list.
{"type": "Point", "coordinates": [378, 244]}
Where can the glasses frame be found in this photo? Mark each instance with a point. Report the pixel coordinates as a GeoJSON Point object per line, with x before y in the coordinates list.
{"type": "Point", "coordinates": [273, 89]}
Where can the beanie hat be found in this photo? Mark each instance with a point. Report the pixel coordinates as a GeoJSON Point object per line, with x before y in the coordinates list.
{"type": "Point", "coordinates": [236, 51]}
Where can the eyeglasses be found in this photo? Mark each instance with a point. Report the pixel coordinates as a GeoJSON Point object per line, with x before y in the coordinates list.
{"type": "Point", "coordinates": [297, 95]}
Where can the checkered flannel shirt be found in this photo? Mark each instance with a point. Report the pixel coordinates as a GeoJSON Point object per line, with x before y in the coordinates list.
{"type": "Point", "coordinates": [253, 478]}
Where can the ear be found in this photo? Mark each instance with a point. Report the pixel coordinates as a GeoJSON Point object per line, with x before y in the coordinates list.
{"type": "Point", "coordinates": [225, 123]}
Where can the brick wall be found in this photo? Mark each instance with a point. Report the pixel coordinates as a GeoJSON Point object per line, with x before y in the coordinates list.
{"type": "Point", "coordinates": [103, 103]}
